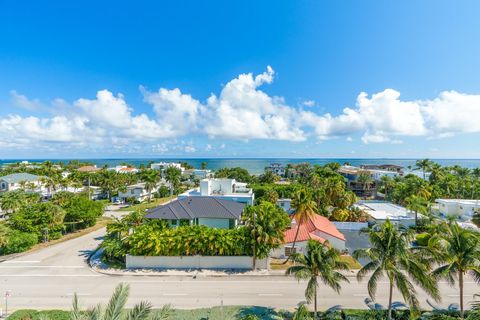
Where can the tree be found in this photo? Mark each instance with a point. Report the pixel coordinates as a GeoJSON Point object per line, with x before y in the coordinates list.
{"type": "Point", "coordinates": [319, 262]}
{"type": "Point", "coordinates": [365, 179]}
{"type": "Point", "coordinates": [12, 201]}
{"type": "Point", "coordinates": [387, 183]}
{"type": "Point", "coordinates": [203, 165]}
{"type": "Point", "coordinates": [305, 209]}
{"type": "Point", "coordinates": [391, 255]}
{"type": "Point", "coordinates": [173, 175]}
{"type": "Point", "coordinates": [424, 165]}
{"type": "Point", "coordinates": [239, 174]}
{"type": "Point", "coordinates": [266, 224]}
{"type": "Point", "coordinates": [271, 196]}
{"type": "Point", "coordinates": [457, 250]}
{"type": "Point", "coordinates": [151, 179]}
{"type": "Point", "coordinates": [418, 205]}
{"type": "Point", "coordinates": [115, 309]}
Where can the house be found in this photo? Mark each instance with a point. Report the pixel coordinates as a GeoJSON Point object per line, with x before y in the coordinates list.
{"type": "Point", "coordinates": [362, 190]}
{"type": "Point", "coordinates": [380, 211]}
{"type": "Point", "coordinates": [88, 169]}
{"type": "Point", "coordinates": [383, 167]}
{"type": "Point", "coordinates": [228, 189]}
{"type": "Point", "coordinates": [124, 169]}
{"type": "Point", "coordinates": [207, 211]}
{"type": "Point", "coordinates": [277, 169]}
{"type": "Point", "coordinates": [17, 181]}
{"type": "Point", "coordinates": [137, 192]}
{"type": "Point", "coordinates": [462, 208]}
{"type": "Point", "coordinates": [317, 228]}
{"type": "Point", "coordinates": [286, 205]}
{"type": "Point", "coordinates": [198, 173]}
{"type": "Point", "coordinates": [162, 166]}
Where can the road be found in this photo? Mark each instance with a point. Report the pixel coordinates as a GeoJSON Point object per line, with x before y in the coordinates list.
{"type": "Point", "coordinates": [48, 278]}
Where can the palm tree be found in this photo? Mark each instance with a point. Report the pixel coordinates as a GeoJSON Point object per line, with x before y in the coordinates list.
{"type": "Point", "coordinates": [424, 165]}
{"type": "Point", "coordinates": [365, 179]}
{"type": "Point", "coordinates": [458, 252]}
{"type": "Point", "coordinates": [173, 175]}
{"type": "Point", "coordinates": [11, 201]}
{"type": "Point", "coordinates": [418, 205]}
{"type": "Point", "coordinates": [319, 262]}
{"type": "Point", "coordinates": [151, 179]}
{"type": "Point", "coordinates": [305, 209]}
{"type": "Point", "coordinates": [390, 255]}
{"type": "Point", "coordinates": [387, 184]}
{"type": "Point", "coordinates": [301, 313]}
{"type": "Point", "coordinates": [115, 309]}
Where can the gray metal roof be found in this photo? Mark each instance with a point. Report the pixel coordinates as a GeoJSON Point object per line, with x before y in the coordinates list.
{"type": "Point", "coordinates": [197, 207]}
{"type": "Point", "coordinates": [17, 177]}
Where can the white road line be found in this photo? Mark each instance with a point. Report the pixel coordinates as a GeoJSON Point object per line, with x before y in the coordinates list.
{"type": "Point", "coordinates": [36, 267]}
{"type": "Point", "coordinates": [270, 294]}
{"type": "Point", "coordinates": [49, 275]}
{"type": "Point", "coordinates": [22, 261]}
{"type": "Point", "coordinates": [175, 294]}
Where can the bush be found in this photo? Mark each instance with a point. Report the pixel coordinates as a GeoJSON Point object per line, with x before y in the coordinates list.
{"type": "Point", "coordinates": [18, 241]}
{"type": "Point", "coordinates": [28, 314]}
{"type": "Point", "coordinates": [422, 239]}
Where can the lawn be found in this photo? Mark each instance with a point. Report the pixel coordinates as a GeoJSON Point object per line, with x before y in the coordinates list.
{"type": "Point", "coordinates": [279, 264]}
{"type": "Point", "coordinates": [147, 205]}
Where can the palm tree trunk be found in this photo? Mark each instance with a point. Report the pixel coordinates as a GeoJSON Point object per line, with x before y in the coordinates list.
{"type": "Point", "coordinates": [416, 218]}
{"type": "Point", "coordinates": [390, 301]}
{"type": "Point", "coordinates": [315, 305]}
{"type": "Point", "coordinates": [460, 284]}
{"type": "Point", "coordinates": [293, 246]}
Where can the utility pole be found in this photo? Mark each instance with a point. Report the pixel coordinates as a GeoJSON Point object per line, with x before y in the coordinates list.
{"type": "Point", "coordinates": [7, 294]}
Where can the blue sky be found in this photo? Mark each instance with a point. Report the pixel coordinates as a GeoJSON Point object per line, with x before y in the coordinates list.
{"type": "Point", "coordinates": [239, 79]}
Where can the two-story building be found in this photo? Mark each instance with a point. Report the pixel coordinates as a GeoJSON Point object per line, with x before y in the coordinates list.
{"type": "Point", "coordinates": [26, 181]}
{"type": "Point", "coordinates": [137, 191]}
{"type": "Point", "coordinates": [461, 208]}
{"type": "Point", "coordinates": [228, 189]}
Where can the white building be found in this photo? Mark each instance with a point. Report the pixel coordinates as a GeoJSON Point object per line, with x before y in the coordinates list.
{"type": "Point", "coordinates": [137, 192]}
{"type": "Point", "coordinates": [124, 169]}
{"type": "Point", "coordinates": [227, 189]}
{"type": "Point", "coordinates": [380, 211]}
{"type": "Point", "coordinates": [277, 169]}
{"type": "Point", "coordinates": [461, 208]}
{"type": "Point", "coordinates": [164, 165]}
{"type": "Point", "coordinates": [285, 204]}
{"type": "Point", "coordinates": [26, 181]}
{"type": "Point", "coordinates": [198, 173]}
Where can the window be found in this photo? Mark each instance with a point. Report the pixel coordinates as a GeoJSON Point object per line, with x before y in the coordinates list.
{"type": "Point", "coordinates": [289, 251]}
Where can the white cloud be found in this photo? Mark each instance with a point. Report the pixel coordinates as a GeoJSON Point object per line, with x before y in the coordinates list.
{"type": "Point", "coordinates": [22, 101]}
{"type": "Point", "coordinates": [308, 103]}
{"type": "Point", "coordinates": [240, 111]}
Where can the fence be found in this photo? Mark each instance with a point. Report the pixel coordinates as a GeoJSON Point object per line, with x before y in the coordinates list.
{"type": "Point", "coordinates": [194, 262]}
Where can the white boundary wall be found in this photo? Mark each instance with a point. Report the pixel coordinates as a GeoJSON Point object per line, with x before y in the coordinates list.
{"type": "Point", "coordinates": [194, 262]}
{"type": "Point", "coordinates": [350, 225]}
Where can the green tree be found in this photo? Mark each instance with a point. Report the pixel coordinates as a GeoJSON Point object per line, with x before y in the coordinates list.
{"type": "Point", "coordinates": [457, 250]}
{"type": "Point", "coordinates": [151, 179]}
{"type": "Point", "coordinates": [319, 263]}
{"type": "Point", "coordinates": [239, 174]}
{"type": "Point", "coordinates": [305, 208]}
{"type": "Point", "coordinates": [173, 175]}
{"type": "Point", "coordinates": [203, 165]}
{"type": "Point", "coordinates": [12, 201]}
{"type": "Point", "coordinates": [390, 255]}
{"type": "Point", "coordinates": [417, 204]}
{"type": "Point", "coordinates": [266, 224]}
{"type": "Point", "coordinates": [424, 165]}
{"type": "Point", "coordinates": [115, 309]}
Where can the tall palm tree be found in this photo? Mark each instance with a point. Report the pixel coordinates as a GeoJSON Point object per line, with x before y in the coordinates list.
{"type": "Point", "coordinates": [457, 250]}
{"type": "Point", "coordinates": [115, 309]}
{"type": "Point", "coordinates": [365, 179]}
{"type": "Point", "coordinates": [387, 183]}
{"type": "Point", "coordinates": [173, 175]}
{"type": "Point", "coordinates": [319, 263]}
{"type": "Point", "coordinates": [151, 179]}
{"type": "Point", "coordinates": [390, 255]}
{"type": "Point", "coordinates": [424, 165]}
{"type": "Point", "coordinates": [418, 205]}
{"type": "Point", "coordinates": [305, 208]}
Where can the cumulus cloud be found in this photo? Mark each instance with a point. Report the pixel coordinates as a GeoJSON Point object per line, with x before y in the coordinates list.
{"type": "Point", "coordinates": [241, 110]}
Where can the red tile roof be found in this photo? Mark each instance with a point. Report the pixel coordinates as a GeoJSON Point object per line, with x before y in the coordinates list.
{"type": "Point", "coordinates": [307, 230]}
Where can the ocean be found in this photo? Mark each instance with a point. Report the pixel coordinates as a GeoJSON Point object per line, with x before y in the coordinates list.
{"type": "Point", "coordinates": [257, 165]}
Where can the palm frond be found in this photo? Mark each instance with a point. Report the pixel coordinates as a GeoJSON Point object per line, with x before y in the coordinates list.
{"type": "Point", "coordinates": [117, 302]}
{"type": "Point", "coordinates": [163, 314]}
{"type": "Point", "coordinates": [75, 313]}
{"type": "Point", "coordinates": [140, 311]}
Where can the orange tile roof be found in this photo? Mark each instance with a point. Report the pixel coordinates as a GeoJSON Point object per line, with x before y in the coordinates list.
{"type": "Point", "coordinates": [307, 230]}
{"type": "Point", "coordinates": [88, 169]}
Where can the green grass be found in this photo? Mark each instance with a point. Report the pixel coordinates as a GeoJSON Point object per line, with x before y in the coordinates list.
{"type": "Point", "coordinates": [147, 205]}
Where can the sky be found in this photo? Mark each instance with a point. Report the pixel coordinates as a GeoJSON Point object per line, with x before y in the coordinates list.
{"type": "Point", "coordinates": [298, 79]}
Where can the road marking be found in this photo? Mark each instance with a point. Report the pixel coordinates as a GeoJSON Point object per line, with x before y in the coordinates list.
{"type": "Point", "coordinates": [270, 294]}
{"type": "Point", "coordinates": [79, 294]}
{"type": "Point", "coordinates": [36, 267]}
{"type": "Point", "coordinates": [175, 294]}
{"type": "Point", "coordinates": [49, 275]}
{"type": "Point", "coordinates": [22, 261]}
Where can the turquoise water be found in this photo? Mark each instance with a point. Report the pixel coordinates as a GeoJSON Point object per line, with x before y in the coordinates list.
{"type": "Point", "coordinates": [256, 166]}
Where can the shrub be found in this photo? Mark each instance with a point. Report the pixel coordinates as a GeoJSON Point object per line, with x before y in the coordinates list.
{"type": "Point", "coordinates": [28, 314]}
{"type": "Point", "coordinates": [422, 239]}
{"type": "Point", "coordinates": [18, 241]}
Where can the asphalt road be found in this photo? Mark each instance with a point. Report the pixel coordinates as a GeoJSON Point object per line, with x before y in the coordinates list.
{"type": "Point", "coordinates": [48, 279]}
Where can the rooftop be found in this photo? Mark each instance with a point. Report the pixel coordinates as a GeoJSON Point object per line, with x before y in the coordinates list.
{"type": "Point", "coordinates": [382, 210]}
{"type": "Point", "coordinates": [197, 207]}
{"type": "Point", "coordinates": [307, 230]}
{"type": "Point", "coordinates": [18, 177]}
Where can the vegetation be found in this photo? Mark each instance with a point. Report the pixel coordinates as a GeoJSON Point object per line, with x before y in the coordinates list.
{"type": "Point", "coordinates": [391, 256]}
{"type": "Point", "coordinates": [319, 263]}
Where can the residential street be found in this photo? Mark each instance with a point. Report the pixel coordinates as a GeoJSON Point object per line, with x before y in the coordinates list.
{"type": "Point", "coordinates": [48, 278]}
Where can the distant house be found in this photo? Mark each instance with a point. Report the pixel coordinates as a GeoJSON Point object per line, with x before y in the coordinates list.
{"type": "Point", "coordinates": [16, 181]}
{"type": "Point", "coordinates": [362, 190]}
{"type": "Point", "coordinates": [277, 169]}
{"type": "Point", "coordinates": [228, 189]}
{"type": "Point", "coordinates": [317, 228]}
{"type": "Point", "coordinates": [124, 169]}
{"type": "Point", "coordinates": [208, 211]}
{"type": "Point", "coordinates": [88, 169]}
{"type": "Point", "coordinates": [286, 205]}
{"type": "Point", "coordinates": [383, 167]}
{"type": "Point", "coordinates": [137, 192]}
{"type": "Point", "coordinates": [198, 173]}
{"type": "Point", "coordinates": [162, 166]}
{"type": "Point", "coordinates": [462, 208]}
{"type": "Point", "coordinates": [380, 211]}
